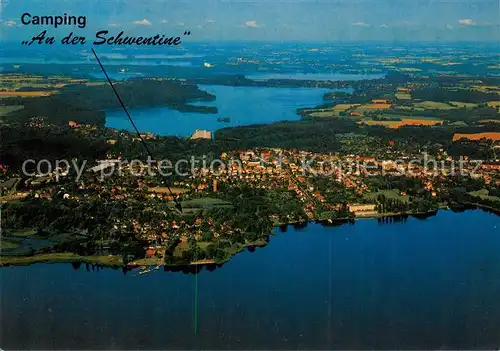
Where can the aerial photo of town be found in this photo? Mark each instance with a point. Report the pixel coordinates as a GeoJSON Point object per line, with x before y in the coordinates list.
{"type": "Point", "coordinates": [255, 185]}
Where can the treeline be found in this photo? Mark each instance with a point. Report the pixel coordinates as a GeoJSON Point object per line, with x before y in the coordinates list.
{"type": "Point", "coordinates": [84, 104]}
{"type": "Point", "coordinates": [315, 135]}
{"type": "Point", "coordinates": [319, 135]}
{"type": "Point", "coordinates": [411, 186]}
{"type": "Point", "coordinates": [445, 95]}
{"type": "Point", "coordinates": [450, 115]}
{"type": "Point", "coordinates": [23, 143]}
{"type": "Point", "coordinates": [460, 190]}
{"type": "Point", "coordinates": [87, 224]}
{"type": "Point", "coordinates": [135, 93]}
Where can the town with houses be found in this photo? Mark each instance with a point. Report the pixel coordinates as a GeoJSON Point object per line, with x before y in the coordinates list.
{"type": "Point", "coordinates": [303, 186]}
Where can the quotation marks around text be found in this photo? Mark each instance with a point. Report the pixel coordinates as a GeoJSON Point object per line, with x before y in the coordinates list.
{"type": "Point", "coordinates": [188, 32]}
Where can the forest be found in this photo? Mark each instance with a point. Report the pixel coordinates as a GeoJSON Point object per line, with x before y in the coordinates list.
{"type": "Point", "coordinates": [85, 104]}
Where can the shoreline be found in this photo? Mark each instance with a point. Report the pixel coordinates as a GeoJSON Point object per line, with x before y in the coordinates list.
{"type": "Point", "coordinates": [114, 261]}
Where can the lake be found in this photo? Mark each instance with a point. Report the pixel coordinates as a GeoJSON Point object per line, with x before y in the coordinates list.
{"type": "Point", "coordinates": [424, 284]}
{"type": "Point", "coordinates": [243, 105]}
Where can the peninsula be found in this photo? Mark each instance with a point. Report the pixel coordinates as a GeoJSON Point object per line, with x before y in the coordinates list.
{"type": "Point", "coordinates": [359, 155]}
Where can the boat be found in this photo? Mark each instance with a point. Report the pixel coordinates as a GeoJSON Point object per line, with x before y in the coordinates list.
{"type": "Point", "coordinates": [144, 270]}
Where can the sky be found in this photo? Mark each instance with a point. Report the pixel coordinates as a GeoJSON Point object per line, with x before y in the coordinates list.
{"type": "Point", "coordinates": [267, 20]}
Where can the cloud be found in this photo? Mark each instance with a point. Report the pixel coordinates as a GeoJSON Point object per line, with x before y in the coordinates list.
{"type": "Point", "coordinates": [384, 26]}
{"type": "Point", "coordinates": [360, 24]}
{"type": "Point", "coordinates": [466, 22]}
{"type": "Point", "coordinates": [210, 21]}
{"type": "Point", "coordinates": [114, 25]}
{"type": "Point", "coordinates": [164, 21]}
{"type": "Point", "coordinates": [252, 24]}
{"type": "Point", "coordinates": [143, 22]}
{"type": "Point", "coordinates": [9, 23]}
{"type": "Point", "coordinates": [180, 24]}
{"type": "Point", "coordinates": [449, 26]}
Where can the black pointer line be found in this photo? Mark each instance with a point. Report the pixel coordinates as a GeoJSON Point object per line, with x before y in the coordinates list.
{"type": "Point", "coordinates": [177, 204]}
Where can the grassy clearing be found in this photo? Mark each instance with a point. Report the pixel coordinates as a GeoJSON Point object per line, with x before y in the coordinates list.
{"type": "Point", "coordinates": [460, 104]}
{"type": "Point", "coordinates": [5, 110]}
{"type": "Point", "coordinates": [403, 116]}
{"type": "Point", "coordinates": [90, 84]}
{"type": "Point", "coordinates": [493, 104]}
{"type": "Point", "coordinates": [333, 111]}
{"type": "Point", "coordinates": [25, 232]}
{"type": "Point", "coordinates": [204, 244]}
{"type": "Point", "coordinates": [485, 88]}
{"type": "Point", "coordinates": [205, 202]}
{"type": "Point", "coordinates": [411, 108]}
{"type": "Point", "coordinates": [403, 96]}
{"type": "Point", "coordinates": [325, 114]}
{"type": "Point", "coordinates": [64, 257]}
{"type": "Point", "coordinates": [458, 124]}
{"type": "Point", "coordinates": [147, 261]}
{"type": "Point", "coordinates": [179, 249]}
{"type": "Point", "coordinates": [25, 93]}
{"type": "Point", "coordinates": [484, 194]}
{"type": "Point", "coordinates": [390, 194]}
{"type": "Point", "coordinates": [183, 246]}
{"type": "Point", "coordinates": [343, 107]}
{"type": "Point", "coordinates": [9, 244]}
{"type": "Point", "coordinates": [434, 105]}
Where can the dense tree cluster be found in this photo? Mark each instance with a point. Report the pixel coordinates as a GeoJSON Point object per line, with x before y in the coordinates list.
{"type": "Point", "coordinates": [85, 104]}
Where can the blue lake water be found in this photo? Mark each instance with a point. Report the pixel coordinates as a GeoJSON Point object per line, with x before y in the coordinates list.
{"type": "Point", "coordinates": [423, 284]}
{"type": "Point", "coordinates": [243, 105]}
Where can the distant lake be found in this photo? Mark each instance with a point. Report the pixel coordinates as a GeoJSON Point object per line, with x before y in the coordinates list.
{"type": "Point", "coordinates": [243, 105]}
{"type": "Point", "coordinates": [117, 76]}
{"type": "Point", "coordinates": [313, 76]}
{"type": "Point", "coordinates": [421, 284]}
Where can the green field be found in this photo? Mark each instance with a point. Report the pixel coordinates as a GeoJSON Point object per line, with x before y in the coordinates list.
{"type": "Point", "coordinates": [204, 202]}
{"type": "Point", "coordinates": [4, 110]}
{"type": "Point", "coordinates": [182, 246]}
{"type": "Point", "coordinates": [332, 112]}
{"type": "Point", "coordinates": [25, 232]}
{"type": "Point", "coordinates": [9, 244]}
{"type": "Point", "coordinates": [484, 194]}
{"type": "Point", "coordinates": [390, 194]}
{"type": "Point", "coordinates": [325, 113]}
{"type": "Point", "coordinates": [433, 105]}
{"type": "Point", "coordinates": [403, 96]}
{"type": "Point", "coordinates": [411, 108]}
{"type": "Point", "coordinates": [62, 258]}
{"type": "Point", "coordinates": [461, 104]}
{"type": "Point", "coordinates": [403, 116]}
